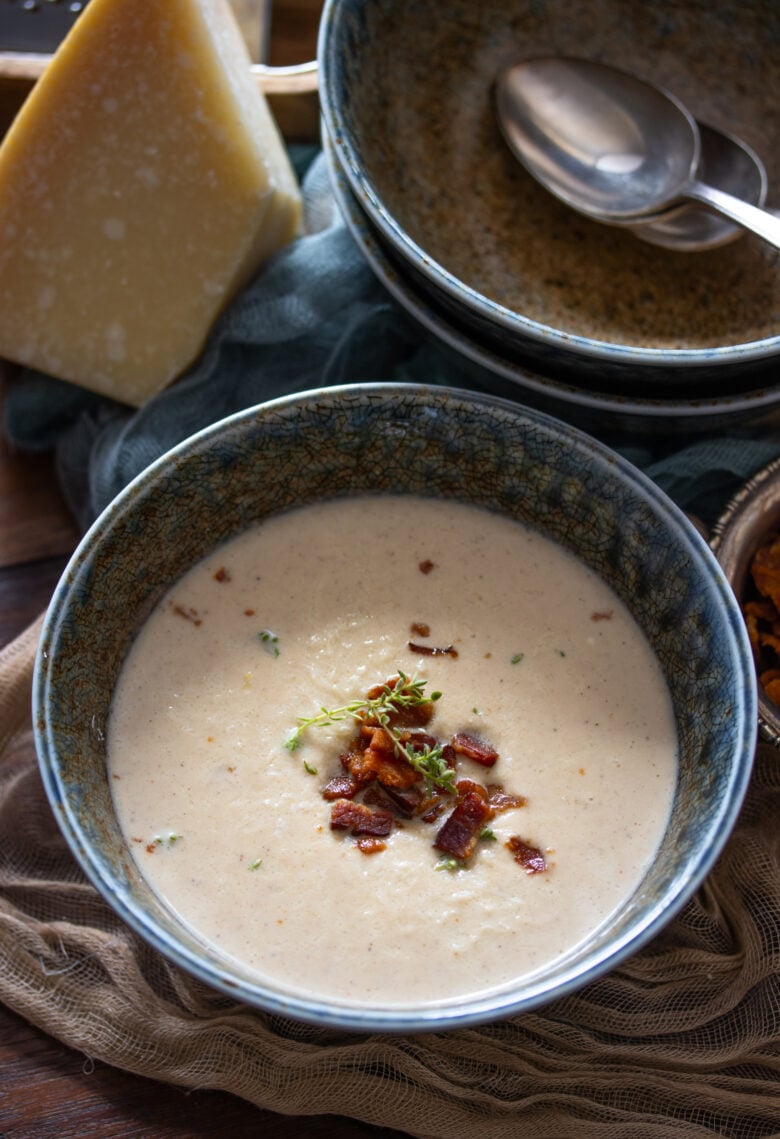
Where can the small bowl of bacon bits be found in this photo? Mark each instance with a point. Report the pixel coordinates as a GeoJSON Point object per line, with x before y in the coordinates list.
{"type": "Point", "coordinates": [746, 541]}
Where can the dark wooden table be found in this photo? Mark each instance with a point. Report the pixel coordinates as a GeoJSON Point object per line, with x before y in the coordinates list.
{"type": "Point", "coordinates": [47, 1089]}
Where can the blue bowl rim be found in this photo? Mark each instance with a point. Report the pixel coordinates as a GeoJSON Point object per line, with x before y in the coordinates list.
{"type": "Point", "coordinates": [445, 1015]}
{"type": "Point", "coordinates": [330, 58]}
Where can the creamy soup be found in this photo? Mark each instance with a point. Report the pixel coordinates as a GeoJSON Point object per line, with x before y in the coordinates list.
{"type": "Point", "coordinates": [536, 657]}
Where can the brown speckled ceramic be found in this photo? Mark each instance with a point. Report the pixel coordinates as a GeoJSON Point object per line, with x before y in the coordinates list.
{"type": "Point", "coordinates": [407, 96]}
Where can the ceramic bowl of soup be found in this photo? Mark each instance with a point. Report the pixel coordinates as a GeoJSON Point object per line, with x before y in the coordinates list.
{"type": "Point", "coordinates": [394, 708]}
{"type": "Point", "coordinates": [407, 97]}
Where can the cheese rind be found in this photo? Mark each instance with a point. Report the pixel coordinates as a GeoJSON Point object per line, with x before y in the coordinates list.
{"type": "Point", "coordinates": [142, 184]}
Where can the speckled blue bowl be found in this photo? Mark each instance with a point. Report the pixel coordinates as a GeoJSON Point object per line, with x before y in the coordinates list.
{"type": "Point", "coordinates": [407, 97]}
{"type": "Point", "coordinates": [407, 439]}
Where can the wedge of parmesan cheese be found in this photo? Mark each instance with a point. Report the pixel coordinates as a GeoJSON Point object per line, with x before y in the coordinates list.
{"type": "Point", "coordinates": [142, 184]}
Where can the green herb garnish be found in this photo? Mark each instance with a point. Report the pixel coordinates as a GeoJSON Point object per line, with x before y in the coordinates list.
{"type": "Point", "coordinates": [517, 658]}
{"type": "Point", "coordinates": [448, 863]}
{"type": "Point", "coordinates": [269, 641]}
{"type": "Point", "coordinates": [166, 840]}
{"type": "Point", "coordinates": [487, 834]}
{"type": "Point", "coordinates": [258, 862]}
{"type": "Point", "coordinates": [408, 692]}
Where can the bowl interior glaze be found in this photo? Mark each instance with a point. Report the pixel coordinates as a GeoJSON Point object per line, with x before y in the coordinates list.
{"type": "Point", "coordinates": [407, 100]}
{"type": "Point", "coordinates": [397, 438]}
{"type": "Point", "coordinates": [648, 411]}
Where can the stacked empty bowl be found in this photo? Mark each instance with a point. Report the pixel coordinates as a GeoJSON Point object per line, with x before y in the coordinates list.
{"type": "Point", "coordinates": [591, 322]}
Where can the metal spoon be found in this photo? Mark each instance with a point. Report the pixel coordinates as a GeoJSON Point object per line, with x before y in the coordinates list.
{"type": "Point", "coordinates": [727, 163]}
{"type": "Point", "coordinates": [609, 144]}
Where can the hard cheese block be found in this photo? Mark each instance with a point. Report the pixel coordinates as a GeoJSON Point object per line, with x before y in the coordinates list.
{"type": "Point", "coordinates": [141, 185]}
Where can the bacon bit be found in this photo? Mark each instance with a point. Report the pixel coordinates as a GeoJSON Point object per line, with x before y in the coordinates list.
{"type": "Point", "coordinates": [460, 834]}
{"type": "Point", "coordinates": [420, 629]}
{"type": "Point", "coordinates": [340, 787]}
{"type": "Point", "coordinates": [432, 650]}
{"type": "Point", "coordinates": [415, 715]}
{"type": "Point", "coordinates": [405, 801]}
{"type": "Point", "coordinates": [151, 847]}
{"type": "Point", "coordinates": [501, 800]}
{"type": "Point", "coordinates": [478, 750]}
{"type": "Point", "coordinates": [378, 739]}
{"type": "Point", "coordinates": [377, 690]}
{"type": "Point", "coordinates": [605, 616]}
{"type": "Point", "coordinates": [375, 795]}
{"type": "Point", "coordinates": [354, 763]}
{"type": "Point", "coordinates": [771, 684]}
{"type": "Point", "coordinates": [529, 857]}
{"type": "Point", "coordinates": [448, 755]}
{"type": "Point", "coordinates": [358, 820]}
{"type": "Point", "coordinates": [434, 812]}
{"type": "Point", "coordinates": [378, 761]}
{"type": "Point", "coordinates": [188, 614]}
{"type": "Point", "coordinates": [467, 786]}
{"type": "Point", "coordinates": [249, 612]}
{"type": "Point", "coordinates": [391, 772]}
{"type": "Point", "coordinates": [380, 758]}
{"type": "Point", "coordinates": [369, 845]}
{"type": "Point", "coordinates": [426, 566]}
{"type": "Point", "coordinates": [417, 740]}
{"type": "Point", "coordinates": [222, 575]}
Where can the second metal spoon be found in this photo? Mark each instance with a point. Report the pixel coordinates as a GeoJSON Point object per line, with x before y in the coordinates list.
{"type": "Point", "coordinates": [727, 163]}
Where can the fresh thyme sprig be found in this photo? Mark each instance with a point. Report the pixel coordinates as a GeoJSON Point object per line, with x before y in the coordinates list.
{"type": "Point", "coordinates": [406, 692]}
{"type": "Point", "coordinates": [428, 762]}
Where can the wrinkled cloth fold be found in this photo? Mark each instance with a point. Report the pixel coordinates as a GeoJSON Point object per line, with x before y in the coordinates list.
{"type": "Point", "coordinates": [681, 1040]}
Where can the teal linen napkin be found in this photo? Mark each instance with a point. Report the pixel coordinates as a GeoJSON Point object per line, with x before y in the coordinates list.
{"type": "Point", "coordinates": [315, 315]}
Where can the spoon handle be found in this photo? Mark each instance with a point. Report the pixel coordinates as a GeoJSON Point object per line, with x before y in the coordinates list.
{"type": "Point", "coordinates": [759, 221]}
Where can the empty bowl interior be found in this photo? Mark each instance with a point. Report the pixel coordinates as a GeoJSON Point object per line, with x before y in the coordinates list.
{"type": "Point", "coordinates": [408, 101]}
{"type": "Point", "coordinates": [397, 439]}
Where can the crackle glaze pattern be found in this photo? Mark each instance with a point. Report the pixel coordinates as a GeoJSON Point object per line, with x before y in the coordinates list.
{"type": "Point", "coordinates": [407, 98]}
{"type": "Point", "coordinates": [398, 438]}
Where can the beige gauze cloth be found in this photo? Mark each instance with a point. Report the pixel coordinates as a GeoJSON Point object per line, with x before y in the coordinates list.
{"type": "Point", "coordinates": [681, 1040]}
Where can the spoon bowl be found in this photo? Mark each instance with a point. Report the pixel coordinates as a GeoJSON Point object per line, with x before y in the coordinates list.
{"type": "Point", "coordinates": [727, 163]}
{"type": "Point", "coordinates": [609, 144]}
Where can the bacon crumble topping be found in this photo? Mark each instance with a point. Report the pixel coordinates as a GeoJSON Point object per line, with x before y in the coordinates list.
{"type": "Point", "coordinates": [460, 834]}
{"type": "Point", "coordinates": [378, 790]}
{"type": "Point", "coordinates": [527, 856]}
{"type": "Point", "coordinates": [359, 819]}
{"type": "Point", "coordinates": [478, 750]}
{"type": "Point", "coordinates": [432, 650]}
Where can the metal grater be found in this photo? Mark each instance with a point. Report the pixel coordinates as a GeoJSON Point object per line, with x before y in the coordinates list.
{"type": "Point", "coordinates": [36, 25]}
